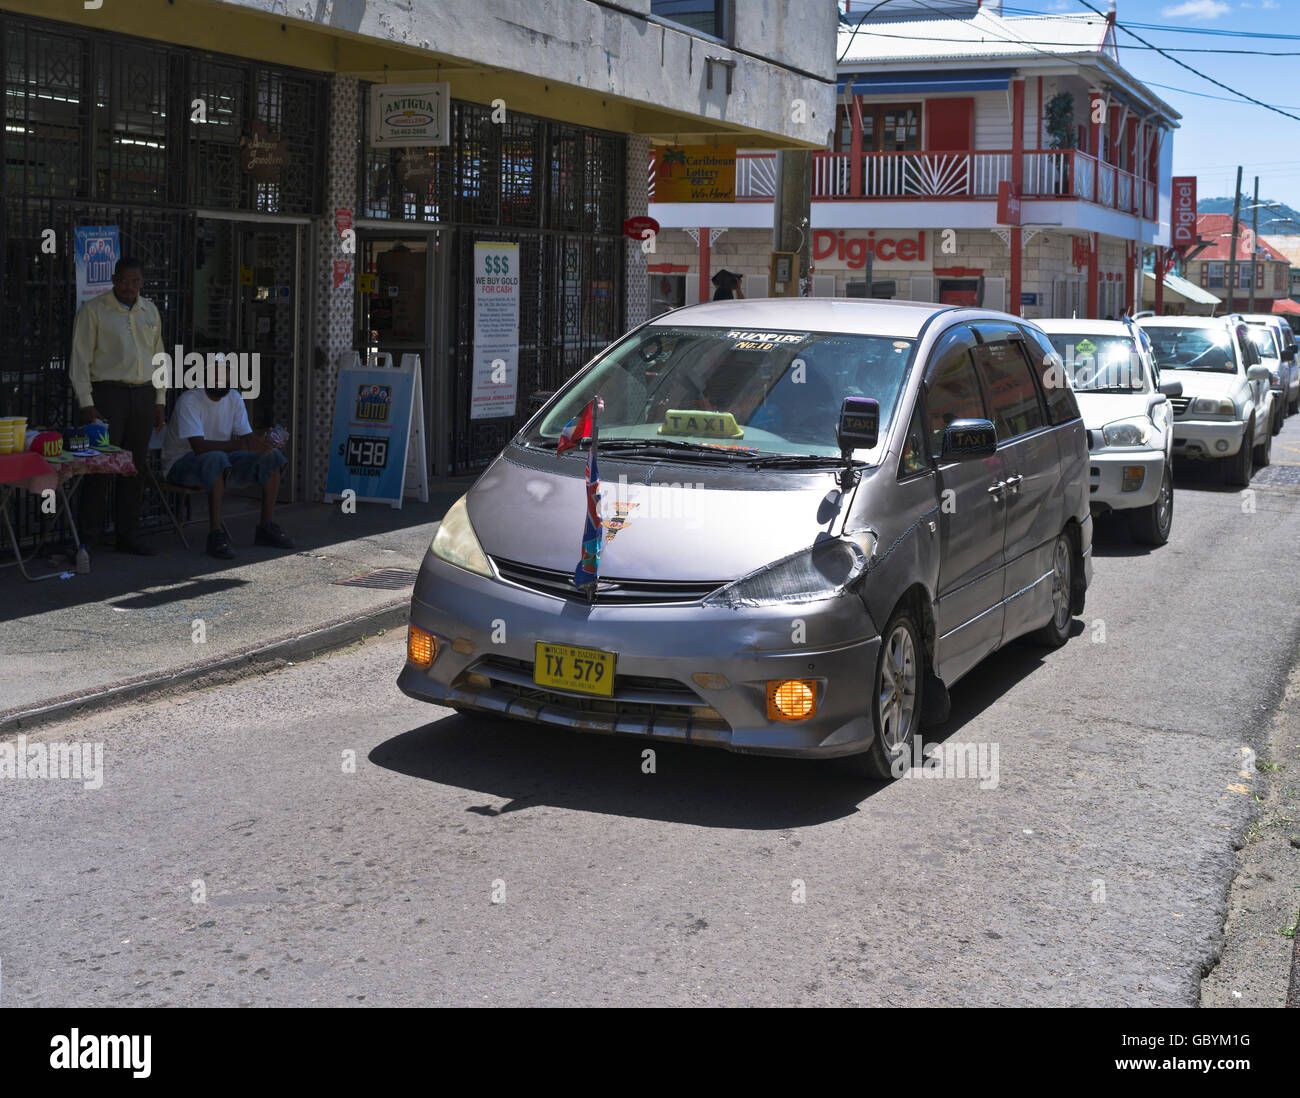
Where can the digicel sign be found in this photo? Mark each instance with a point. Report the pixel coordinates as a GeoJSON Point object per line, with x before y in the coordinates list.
{"type": "Point", "coordinates": [1184, 226]}
{"type": "Point", "coordinates": [830, 245]}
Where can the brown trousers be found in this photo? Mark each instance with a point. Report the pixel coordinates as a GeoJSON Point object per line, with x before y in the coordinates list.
{"type": "Point", "coordinates": [129, 411]}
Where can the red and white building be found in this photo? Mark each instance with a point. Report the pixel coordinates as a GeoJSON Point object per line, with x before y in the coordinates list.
{"type": "Point", "coordinates": [1259, 264]}
{"type": "Point", "coordinates": [1007, 161]}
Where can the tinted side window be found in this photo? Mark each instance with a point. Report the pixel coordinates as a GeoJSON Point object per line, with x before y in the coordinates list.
{"type": "Point", "coordinates": [1005, 372]}
{"type": "Point", "coordinates": [951, 388]}
{"type": "Point", "coordinates": [1061, 405]}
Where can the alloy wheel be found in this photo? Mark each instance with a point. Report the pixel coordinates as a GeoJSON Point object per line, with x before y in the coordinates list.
{"type": "Point", "coordinates": [896, 688]}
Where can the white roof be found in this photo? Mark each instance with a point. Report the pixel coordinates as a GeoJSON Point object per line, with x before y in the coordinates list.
{"type": "Point", "coordinates": [1185, 289]}
{"type": "Point", "coordinates": [982, 36]}
{"type": "Point", "coordinates": [1183, 322]}
{"type": "Point", "coordinates": [859, 316]}
{"type": "Point", "coordinates": [1084, 326]}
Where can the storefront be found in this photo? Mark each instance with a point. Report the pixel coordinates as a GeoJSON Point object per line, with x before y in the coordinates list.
{"type": "Point", "coordinates": [949, 266]}
{"type": "Point", "coordinates": [153, 140]}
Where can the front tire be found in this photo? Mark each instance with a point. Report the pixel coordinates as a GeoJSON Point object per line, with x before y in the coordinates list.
{"type": "Point", "coordinates": [896, 698]}
{"type": "Point", "coordinates": [1237, 469]}
{"type": "Point", "coordinates": [1057, 631]}
{"type": "Point", "coordinates": [1264, 451]}
{"type": "Point", "coordinates": [1152, 525]}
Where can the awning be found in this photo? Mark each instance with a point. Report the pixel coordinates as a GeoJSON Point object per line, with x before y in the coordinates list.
{"type": "Point", "coordinates": [935, 81]}
{"type": "Point", "coordinates": [1188, 291]}
{"type": "Point", "coordinates": [1287, 305]}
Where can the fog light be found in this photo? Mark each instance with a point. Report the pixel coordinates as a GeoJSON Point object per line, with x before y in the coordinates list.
{"type": "Point", "coordinates": [791, 699]}
{"type": "Point", "coordinates": [1133, 477]}
{"type": "Point", "coordinates": [421, 647]}
{"type": "Point", "coordinates": [1222, 444]}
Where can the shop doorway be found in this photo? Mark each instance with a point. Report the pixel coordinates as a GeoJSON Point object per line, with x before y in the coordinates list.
{"type": "Point", "coordinates": [247, 301]}
{"type": "Point", "coordinates": [397, 314]}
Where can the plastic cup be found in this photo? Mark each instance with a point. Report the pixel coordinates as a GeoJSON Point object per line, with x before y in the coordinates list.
{"type": "Point", "coordinates": [7, 425]}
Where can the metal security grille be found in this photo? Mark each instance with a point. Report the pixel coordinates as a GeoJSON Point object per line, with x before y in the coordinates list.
{"type": "Point", "coordinates": [102, 129]}
{"type": "Point", "coordinates": [554, 189]}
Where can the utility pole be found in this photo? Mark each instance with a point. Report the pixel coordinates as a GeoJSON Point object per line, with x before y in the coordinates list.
{"type": "Point", "coordinates": [1232, 255]}
{"type": "Point", "coordinates": [792, 213]}
{"type": "Point", "coordinates": [1254, 243]}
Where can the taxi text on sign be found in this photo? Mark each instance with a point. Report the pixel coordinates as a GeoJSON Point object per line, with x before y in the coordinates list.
{"type": "Point", "coordinates": [696, 173]}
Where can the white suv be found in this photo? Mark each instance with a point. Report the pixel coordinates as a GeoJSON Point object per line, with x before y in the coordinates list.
{"type": "Point", "coordinates": [1276, 344]}
{"type": "Point", "coordinates": [1225, 412]}
{"type": "Point", "coordinates": [1129, 420]}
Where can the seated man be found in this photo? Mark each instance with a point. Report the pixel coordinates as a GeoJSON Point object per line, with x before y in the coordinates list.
{"type": "Point", "coordinates": [210, 444]}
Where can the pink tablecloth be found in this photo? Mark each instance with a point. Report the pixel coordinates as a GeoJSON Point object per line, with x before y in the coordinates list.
{"type": "Point", "coordinates": [118, 463]}
{"type": "Point", "coordinates": [30, 471]}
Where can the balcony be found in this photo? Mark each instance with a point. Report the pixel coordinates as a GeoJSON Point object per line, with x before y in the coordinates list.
{"type": "Point", "coordinates": [1062, 174]}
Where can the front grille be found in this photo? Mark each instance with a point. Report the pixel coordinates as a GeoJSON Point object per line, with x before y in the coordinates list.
{"type": "Point", "coordinates": [611, 591]}
{"type": "Point", "coordinates": [1180, 404]}
{"type": "Point", "coordinates": [639, 703]}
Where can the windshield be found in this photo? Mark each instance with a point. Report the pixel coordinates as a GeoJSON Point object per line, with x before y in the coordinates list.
{"type": "Point", "coordinates": [1100, 363]}
{"type": "Point", "coordinates": [1263, 340]}
{"type": "Point", "coordinates": [1178, 348]}
{"type": "Point", "coordinates": [772, 391]}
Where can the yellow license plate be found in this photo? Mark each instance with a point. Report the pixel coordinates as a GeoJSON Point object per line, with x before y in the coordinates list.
{"type": "Point", "coordinates": [584, 670]}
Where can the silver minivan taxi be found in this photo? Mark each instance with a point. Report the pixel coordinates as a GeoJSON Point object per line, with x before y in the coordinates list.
{"type": "Point", "coordinates": [812, 517]}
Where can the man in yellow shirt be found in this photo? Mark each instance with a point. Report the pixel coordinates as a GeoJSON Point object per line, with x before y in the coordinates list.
{"type": "Point", "coordinates": [114, 339]}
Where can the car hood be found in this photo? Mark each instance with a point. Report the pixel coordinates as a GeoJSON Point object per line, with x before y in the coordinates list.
{"type": "Point", "coordinates": [680, 527]}
{"type": "Point", "coordinates": [1197, 384]}
{"type": "Point", "coordinates": [1100, 409]}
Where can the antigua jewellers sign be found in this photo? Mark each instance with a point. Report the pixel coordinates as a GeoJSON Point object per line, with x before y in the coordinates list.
{"type": "Point", "coordinates": [409, 114]}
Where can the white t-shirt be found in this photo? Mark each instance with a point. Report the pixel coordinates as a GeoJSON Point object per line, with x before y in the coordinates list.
{"type": "Point", "coordinates": [198, 415]}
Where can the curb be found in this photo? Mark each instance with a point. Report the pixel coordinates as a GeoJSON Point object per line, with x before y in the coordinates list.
{"type": "Point", "coordinates": [294, 647]}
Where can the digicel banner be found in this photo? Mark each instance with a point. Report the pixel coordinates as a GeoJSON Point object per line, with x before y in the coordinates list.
{"type": "Point", "coordinates": [1184, 213]}
{"type": "Point", "coordinates": [831, 247]}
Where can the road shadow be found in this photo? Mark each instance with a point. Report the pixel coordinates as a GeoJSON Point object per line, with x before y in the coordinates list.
{"type": "Point", "coordinates": [515, 765]}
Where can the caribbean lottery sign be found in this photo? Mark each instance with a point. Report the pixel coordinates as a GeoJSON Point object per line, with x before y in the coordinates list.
{"type": "Point", "coordinates": [696, 173]}
{"type": "Point", "coordinates": [372, 421]}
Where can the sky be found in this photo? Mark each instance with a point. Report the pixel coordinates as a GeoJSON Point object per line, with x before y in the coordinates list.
{"type": "Point", "coordinates": [1215, 135]}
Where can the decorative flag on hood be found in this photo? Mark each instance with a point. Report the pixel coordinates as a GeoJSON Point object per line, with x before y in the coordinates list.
{"type": "Point", "coordinates": [589, 566]}
{"type": "Point", "coordinates": [581, 426]}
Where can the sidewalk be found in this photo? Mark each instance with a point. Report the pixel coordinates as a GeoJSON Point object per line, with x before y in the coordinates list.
{"type": "Point", "coordinates": [128, 627]}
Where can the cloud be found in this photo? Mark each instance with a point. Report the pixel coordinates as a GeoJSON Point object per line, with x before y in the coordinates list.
{"type": "Point", "coordinates": [1196, 9]}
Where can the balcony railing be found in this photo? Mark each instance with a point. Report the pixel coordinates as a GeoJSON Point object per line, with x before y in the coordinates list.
{"type": "Point", "coordinates": [1060, 174]}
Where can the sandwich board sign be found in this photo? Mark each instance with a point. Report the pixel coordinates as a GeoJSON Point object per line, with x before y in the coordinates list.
{"type": "Point", "coordinates": [377, 444]}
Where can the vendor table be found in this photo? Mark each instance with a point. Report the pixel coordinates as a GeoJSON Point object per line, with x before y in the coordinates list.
{"type": "Point", "coordinates": [32, 472]}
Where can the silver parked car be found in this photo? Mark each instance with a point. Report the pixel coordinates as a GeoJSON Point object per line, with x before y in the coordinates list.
{"type": "Point", "coordinates": [817, 515]}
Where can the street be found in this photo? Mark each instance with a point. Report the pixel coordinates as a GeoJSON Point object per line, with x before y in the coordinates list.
{"type": "Point", "coordinates": [312, 836]}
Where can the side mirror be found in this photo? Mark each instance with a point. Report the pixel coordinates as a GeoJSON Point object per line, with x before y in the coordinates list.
{"type": "Point", "coordinates": [968, 438]}
{"type": "Point", "coordinates": [859, 424]}
{"type": "Point", "coordinates": [1259, 373]}
{"type": "Point", "coordinates": [1170, 388]}
{"type": "Point", "coordinates": [1288, 354]}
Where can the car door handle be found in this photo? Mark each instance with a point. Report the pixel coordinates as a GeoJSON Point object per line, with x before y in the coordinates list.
{"type": "Point", "coordinates": [1013, 483]}
{"type": "Point", "coordinates": [996, 490]}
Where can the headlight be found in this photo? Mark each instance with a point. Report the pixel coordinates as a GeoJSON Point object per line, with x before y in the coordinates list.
{"type": "Point", "coordinates": [1213, 406]}
{"type": "Point", "coordinates": [456, 543]}
{"type": "Point", "coordinates": [819, 572]}
{"type": "Point", "coordinates": [1126, 432]}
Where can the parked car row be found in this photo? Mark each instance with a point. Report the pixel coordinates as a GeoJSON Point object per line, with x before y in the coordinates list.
{"type": "Point", "coordinates": [815, 516]}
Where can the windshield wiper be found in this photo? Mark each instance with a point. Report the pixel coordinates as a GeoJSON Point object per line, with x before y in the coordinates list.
{"type": "Point", "coordinates": [637, 447]}
{"type": "Point", "coordinates": [801, 461]}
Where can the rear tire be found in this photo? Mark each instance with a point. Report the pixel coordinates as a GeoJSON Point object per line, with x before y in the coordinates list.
{"type": "Point", "coordinates": [896, 698]}
{"type": "Point", "coordinates": [1294, 407]}
{"type": "Point", "coordinates": [1279, 414]}
{"type": "Point", "coordinates": [1057, 631]}
{"type": "Point", "coordinates": [1237, 469]}
{"type": "Point", "coordinates": [1152, 525]}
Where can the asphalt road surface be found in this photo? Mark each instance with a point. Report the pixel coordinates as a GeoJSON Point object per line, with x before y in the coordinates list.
{"type": "Point", "coordinates": [234, 857]}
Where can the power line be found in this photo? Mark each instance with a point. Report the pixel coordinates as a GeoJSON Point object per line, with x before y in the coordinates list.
{"type": "Point", "coordinates": [1211, 32]}
{"type": "Point", "coordinates": [1205, 95]}
{"type": "Point", "coordinates": [1183, 64]}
